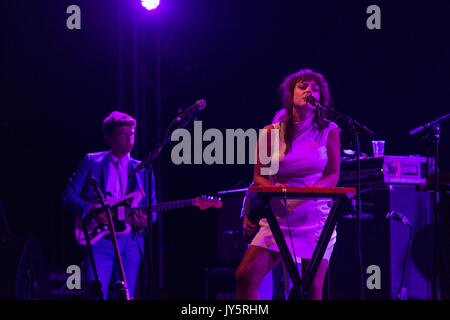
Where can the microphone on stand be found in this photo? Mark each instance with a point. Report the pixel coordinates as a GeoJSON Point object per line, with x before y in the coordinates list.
{"type": "Point", "coordinates": [185, 117]}
{"type": "Point", "coordinates": [429, 124]}
{"type": "Point", "coordinates": [309, 98]}
{"type": "Point", "coordinates": [313, 101]}
{"type": "Point", "coordinates": [196, 107]}
{"type": "Point", "coordinates": [397, 216]}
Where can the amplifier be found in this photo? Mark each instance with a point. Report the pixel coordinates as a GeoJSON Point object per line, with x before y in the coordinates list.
{"type": "Point", "coordinates": [385, 243]}
{"type": "Point", "coordinates": [388, 169]}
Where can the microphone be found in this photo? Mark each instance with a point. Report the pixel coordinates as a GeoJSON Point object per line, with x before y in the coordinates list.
{"type": "Point", "coordinates": [397, 216]}
{"type": "Point", "coordinates": [416, 130]}
{"type": "Point", "coordinates": [197, 106]}
{"type": "Point", "coordinates": [309, 98]}
{"type": "Point", "coordinates": [429, 124]}
{"type": "Point", "coordinates": [313, 101]}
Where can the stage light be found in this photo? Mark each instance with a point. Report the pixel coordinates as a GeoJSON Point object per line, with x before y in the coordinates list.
{"type": "Point", "coordinates": [150, 4]}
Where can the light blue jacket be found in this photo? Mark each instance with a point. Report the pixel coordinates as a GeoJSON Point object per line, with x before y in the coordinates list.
{"type": "Point", "coordinates": [79, 194]}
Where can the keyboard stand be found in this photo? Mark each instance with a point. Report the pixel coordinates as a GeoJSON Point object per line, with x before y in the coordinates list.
{"type": "Point", "coordinates": [301, 286]}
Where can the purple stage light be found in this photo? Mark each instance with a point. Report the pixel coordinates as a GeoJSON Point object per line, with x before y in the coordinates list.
{"type": "Point", "coordinates": [150, 4]}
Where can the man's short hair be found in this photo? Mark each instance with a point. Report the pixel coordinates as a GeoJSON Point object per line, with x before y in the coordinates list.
{"type": "Point", "coordinates": [115, 120]}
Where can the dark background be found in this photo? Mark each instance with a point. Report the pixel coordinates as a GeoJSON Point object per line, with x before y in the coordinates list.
{"type": "Point", "coordinates": [59, 84]}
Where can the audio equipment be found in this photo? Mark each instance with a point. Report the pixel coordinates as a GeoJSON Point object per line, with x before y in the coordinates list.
{"type": "Point", "coordinates": [388, 169]}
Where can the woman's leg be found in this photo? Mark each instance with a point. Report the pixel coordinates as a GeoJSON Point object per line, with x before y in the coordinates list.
{"type": "Point", "coordinates": [315, 291]}
{"type": "Point", "coordinates": [255, 264]}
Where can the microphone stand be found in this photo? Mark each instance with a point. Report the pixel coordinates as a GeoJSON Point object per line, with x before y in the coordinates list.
{"type": "Point", "coordinates": [356, 127]}
{"type": "Point", "coordinates": [182, 120]}
{"type": "Point", "coordinates": [402, 291]}
{"type": "Point", "coordinates": [121, 285]}
{"type": "Point", "coordinates": [95, 285]}
{"type": "Point", "coordinates": [435, 133]}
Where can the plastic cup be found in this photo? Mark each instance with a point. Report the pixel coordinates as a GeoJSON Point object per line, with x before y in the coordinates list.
{"type": "Point", "coordinates": [378, 148]}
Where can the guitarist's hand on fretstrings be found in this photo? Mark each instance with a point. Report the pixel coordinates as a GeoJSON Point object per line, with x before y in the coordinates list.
{"type": "Point", "coordinates": [99, 217]}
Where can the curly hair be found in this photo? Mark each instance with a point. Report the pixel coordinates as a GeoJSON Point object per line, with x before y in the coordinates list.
{"type": "Point", "coordinates": [286, 90]}
{"type": "Point", "coordinates": [114, 120]}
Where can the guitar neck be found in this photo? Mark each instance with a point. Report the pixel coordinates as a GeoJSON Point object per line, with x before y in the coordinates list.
{"type": "Point", "coordinates": [165, 206]}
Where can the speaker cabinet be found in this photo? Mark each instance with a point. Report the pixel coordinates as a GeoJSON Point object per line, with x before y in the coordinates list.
{"type": "Point", "coordinates": [385, 243]}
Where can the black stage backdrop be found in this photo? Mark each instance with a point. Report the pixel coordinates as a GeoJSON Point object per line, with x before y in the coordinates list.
{"type": "Point", "coordinates": [59, 84]}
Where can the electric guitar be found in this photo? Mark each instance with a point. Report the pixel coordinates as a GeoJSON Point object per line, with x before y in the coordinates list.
{"type": "Point", "coordinates": [123, 208]}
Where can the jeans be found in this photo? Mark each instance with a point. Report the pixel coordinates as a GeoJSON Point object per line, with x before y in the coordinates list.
{"type": "Point", "coordinates": [131, 252]}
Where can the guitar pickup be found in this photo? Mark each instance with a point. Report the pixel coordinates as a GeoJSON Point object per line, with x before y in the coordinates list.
{"type": "Point", "coordinates": [121, 213]}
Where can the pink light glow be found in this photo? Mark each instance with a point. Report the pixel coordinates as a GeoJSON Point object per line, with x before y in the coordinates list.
{"type": "Point", "coordinates": [150, 4]}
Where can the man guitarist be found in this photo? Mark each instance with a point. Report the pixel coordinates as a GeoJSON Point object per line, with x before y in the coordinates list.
{"type": "Point", "coordinates": [110, 169]}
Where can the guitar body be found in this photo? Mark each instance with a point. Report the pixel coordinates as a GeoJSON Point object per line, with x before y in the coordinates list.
{"type": "Point", "coordinates": [119, 210]}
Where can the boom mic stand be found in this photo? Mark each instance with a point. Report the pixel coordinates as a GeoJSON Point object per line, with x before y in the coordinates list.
{"type": "Point", "coordinates": [182, 120]}
{"type": "Point", "coordinates": [96, 285]}
{"type": "Point", "coordinates": [402, 291]}
{"type": "Point", "coordinates": [435, 133]}
{"type": "Point", "coordinates": [356, 127]}
{"type": "Point", "coordinates": [121, 285]}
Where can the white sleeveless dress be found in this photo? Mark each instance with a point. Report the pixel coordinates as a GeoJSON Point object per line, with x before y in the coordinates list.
{"type": "Point", "coordinates": [303, 165]}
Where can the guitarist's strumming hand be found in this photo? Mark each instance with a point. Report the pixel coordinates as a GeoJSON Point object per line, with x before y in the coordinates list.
{"type": "Point", "coordinates": [139, 218]}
